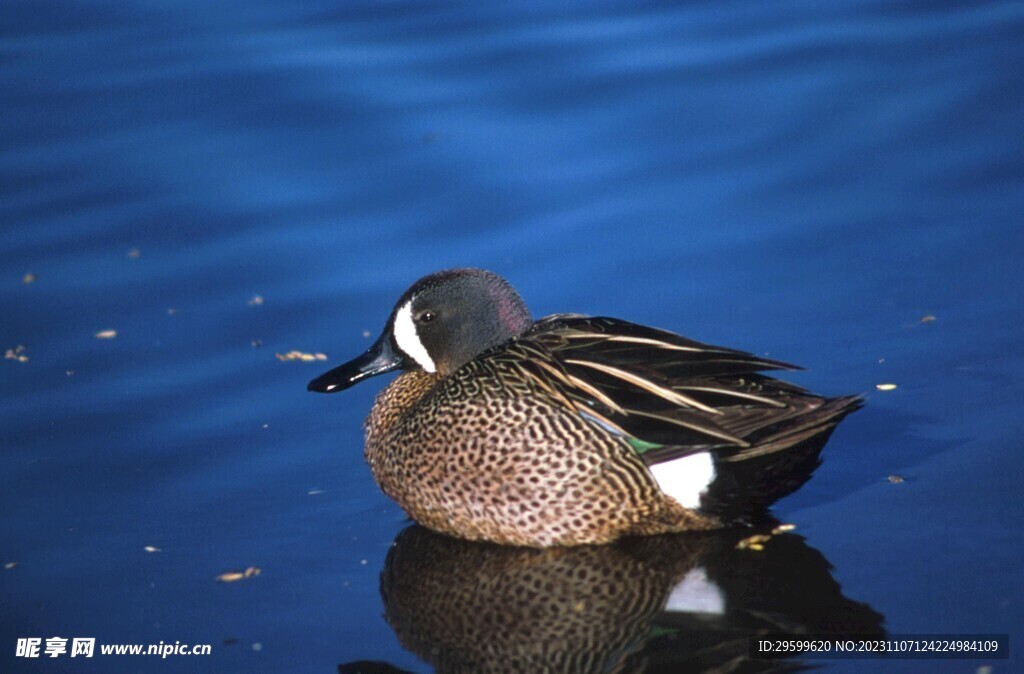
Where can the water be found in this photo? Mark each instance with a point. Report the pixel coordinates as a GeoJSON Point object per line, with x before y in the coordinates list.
{"type": "Point", "coordinates": [803, 181]}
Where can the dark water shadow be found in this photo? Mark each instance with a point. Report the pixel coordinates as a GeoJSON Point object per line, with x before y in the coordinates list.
{"type": "Point", "coordinates": [675, 603]}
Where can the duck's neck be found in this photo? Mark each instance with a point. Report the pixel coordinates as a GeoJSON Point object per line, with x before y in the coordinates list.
{"type": "Point", "coordinates": [394, 401]}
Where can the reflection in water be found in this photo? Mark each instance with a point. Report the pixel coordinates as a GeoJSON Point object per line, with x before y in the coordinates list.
{"type": "Point", "coordinates": [685, 602]}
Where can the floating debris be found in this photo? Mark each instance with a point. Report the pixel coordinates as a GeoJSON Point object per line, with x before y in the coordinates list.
{"type": "Point", "coordinates": [885, 387]}
{"type": "Point", "coordinates": [927, 319]}
{"type": "Point", "coordinates": [171, 311]}
{"type": "Point", "coordinates": [367, 334]}
{"type": "Point", "coordinates": [255, 301]}
{"type": "Point", "coordinates": [896, 479]}
{"type": "Point", "coordinates": [151, 548]}
{"type": "Point", "coordinates": [314, 492]}
{"type": "Point", "coordinates": [299, 355]}
{"type": "Point", "coordinates": [755, 542]}
{"type": "Point", "coordinates": [10, 565]}
{"type": "Point", "coordinates": [17, 353]}
{"type": "Point", "coordinates": [232, 576]}
{"type": "Point", "coordinates": [257, 343]}
{"type": "Point", "coordinates": [28, 278]}
{"type": "Point", "coordinates": [106, 334]}
{"type": "Point", "coordinates": [134, 253]}
{"type": "Point", "coordinates": [257, 646]}
{"type": "Point", "coordinates": [70, 373]}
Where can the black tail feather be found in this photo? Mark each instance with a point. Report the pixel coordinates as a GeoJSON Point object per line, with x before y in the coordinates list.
{"type": "Point", "coordinates": [778, 463]}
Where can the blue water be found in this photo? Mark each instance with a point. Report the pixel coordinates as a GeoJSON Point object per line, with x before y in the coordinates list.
{"type": "Point", "coordinates": [802, 180]}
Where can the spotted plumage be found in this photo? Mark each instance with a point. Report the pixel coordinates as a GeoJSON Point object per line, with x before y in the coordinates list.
{"type": "Point", "coordinates": [573, 429]}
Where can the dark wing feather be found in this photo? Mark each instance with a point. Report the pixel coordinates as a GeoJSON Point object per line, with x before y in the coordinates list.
{"type": "Point", "coordinates": [651, 384]}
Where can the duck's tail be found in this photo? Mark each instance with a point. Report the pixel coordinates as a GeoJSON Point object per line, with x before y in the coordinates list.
{"type": "Point", "coordinates": [739, 484]}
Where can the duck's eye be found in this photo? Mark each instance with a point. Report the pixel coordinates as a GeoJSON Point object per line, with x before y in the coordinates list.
{"type": "Point", "coordinates": [425, 317]}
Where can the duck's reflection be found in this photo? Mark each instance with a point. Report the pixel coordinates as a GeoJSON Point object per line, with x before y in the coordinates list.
{"type": "Point", "coordinates": [686, 602]}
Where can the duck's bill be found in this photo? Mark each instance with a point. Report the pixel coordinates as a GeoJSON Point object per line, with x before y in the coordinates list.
{"type": "Point", "coordinates": [378, 359]}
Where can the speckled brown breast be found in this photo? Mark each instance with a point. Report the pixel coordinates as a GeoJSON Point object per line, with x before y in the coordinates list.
{"type": "Point", "coordinates": [481, 454]}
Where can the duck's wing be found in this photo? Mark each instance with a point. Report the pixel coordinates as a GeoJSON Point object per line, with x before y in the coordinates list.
{"type": "Point", "coordinates": [667, 392]}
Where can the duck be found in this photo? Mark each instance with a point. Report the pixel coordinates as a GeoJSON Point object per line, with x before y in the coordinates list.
{"type": "Point", "coordinates": [573, 429]}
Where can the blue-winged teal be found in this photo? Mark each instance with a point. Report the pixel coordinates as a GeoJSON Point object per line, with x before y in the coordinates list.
{"type": "Point", "coordinates": [573, 429]}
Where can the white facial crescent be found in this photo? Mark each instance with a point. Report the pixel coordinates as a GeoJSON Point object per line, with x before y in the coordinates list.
{"type": "Point", "coordinates": [409, 341]}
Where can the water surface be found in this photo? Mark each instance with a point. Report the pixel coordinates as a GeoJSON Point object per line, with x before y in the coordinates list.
{"type": "Point", "coordinates": [837, 186]}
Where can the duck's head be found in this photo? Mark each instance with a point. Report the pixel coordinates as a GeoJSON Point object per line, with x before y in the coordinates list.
{"type": "Point", "coordinates": [439, 324]}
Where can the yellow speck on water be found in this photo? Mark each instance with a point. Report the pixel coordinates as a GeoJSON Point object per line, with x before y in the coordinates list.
{"type": "Point", "coordinates": [17, 353]}
{"type": "Point", "coordinates": [755, 542]}
{"type": "Point", "coordinates": [895, 479]}
{"type": "Point", "coordinates": [106, 334]}
{"type": "Point", "coordinates": [927, 319]}
{"type": "Point", "coordinates": [299, 355]}
{"type": "Point", "coordinates": [233, 576]}
{"type": "Point", "coordinates": [885, 387]}
{"type": "Point", "coordinates": [985, 669]}
{"type": "Point", "coordinates": [151, 548]}
{"type": "Point", "coordinates": [28, 278]}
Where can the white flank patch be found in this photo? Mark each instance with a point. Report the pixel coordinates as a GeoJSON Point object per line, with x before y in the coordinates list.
{"type": "Point", "coordinates": [685, 478]}
{"type": "Point", "coordinates": [696, 594]}
{"type": "Point", "coordinates": [409, 341]}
